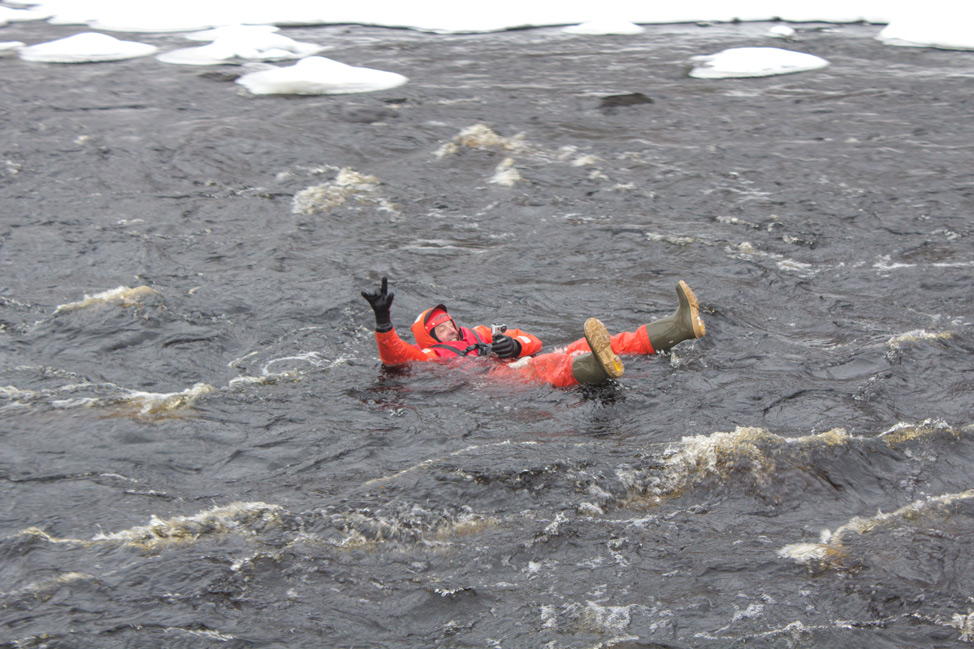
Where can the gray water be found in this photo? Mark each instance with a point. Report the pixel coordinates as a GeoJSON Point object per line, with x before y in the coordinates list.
{"type": "Point", "coordinates": [199, 447]}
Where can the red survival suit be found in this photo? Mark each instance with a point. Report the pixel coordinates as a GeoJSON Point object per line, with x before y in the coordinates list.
{"type": "Point", "coordinates": [553, 367]}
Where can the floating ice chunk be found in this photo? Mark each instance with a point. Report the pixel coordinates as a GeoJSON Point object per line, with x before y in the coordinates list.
{"type": "Point", "coordinates": [605, 27]}
{"type": "Point", "coordinates": [8, 15]}
{"type": "Point", "coordinates": [317, 75]}
{"type": "Point", "coordinates": [753, 62]}
{"type": "Point", "coordinates": [8, 47]}
{"type": "Point", "coordinates": [950, 27]}
{"type": "Point", "coordinates": [781, 31]}
{"type": "Point", "coordinates": [241, 44]}
{"type": "Point", "coordinates": [87, 47]}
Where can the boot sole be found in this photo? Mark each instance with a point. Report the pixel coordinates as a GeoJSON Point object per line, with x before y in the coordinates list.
{"type": "Point", "coordinates": [685, 294]}
{"type": "Point", "coordinates": [601, 345]}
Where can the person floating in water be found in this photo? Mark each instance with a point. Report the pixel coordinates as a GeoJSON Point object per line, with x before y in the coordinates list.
{"type": "Point", "coordinates": [592, 359]}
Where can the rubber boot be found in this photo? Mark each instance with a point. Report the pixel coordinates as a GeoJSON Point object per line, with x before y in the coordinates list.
{"type": "Point", "coordinates": [602, 364]}
{"type": "Point", "coordinates": [684, 324]}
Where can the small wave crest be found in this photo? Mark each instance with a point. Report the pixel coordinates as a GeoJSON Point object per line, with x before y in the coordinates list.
{"type": "Point", "coordinates": [123, 295]}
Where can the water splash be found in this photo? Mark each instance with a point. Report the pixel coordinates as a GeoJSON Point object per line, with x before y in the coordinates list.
{"type": "Point", "coordinates": [747, 449]}
{"type": "Point", "coordinates": [506, 174]}
{"type": "Point", "coordinates": [245, 518]}
{"type": "Point", "coordinates": [123, 295]}
{"type": "Point", "coordinates": [831, 546]}
{"type": "Point", "coordinates": [917, 335]}
{"type": "Point", "coordinates": [482, 137]}
{"type": "Point", "coordinates": [347, 185]}
{"type": "Point", "coordinates": [91, 395]}
{"type": "Point", "coordinates": [269, 375]}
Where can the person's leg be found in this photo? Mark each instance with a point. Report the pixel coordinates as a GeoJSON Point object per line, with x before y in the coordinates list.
{"type": "Point", "coordinates": [554, 368]}
{"type": "Point", "coordinates": [562, 369]}
{"type": "Point", "coordinates": [623, 343]}
{"type": "Point", "coordinates": [684, 324]}
{"type": "Point", "coordinates": [660, 335]}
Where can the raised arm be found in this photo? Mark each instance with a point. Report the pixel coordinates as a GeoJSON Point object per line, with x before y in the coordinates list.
{"type": "Point", "coordinates": [392, 349]}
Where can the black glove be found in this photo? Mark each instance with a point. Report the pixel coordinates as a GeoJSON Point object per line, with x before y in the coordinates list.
{"type": "Point", "coordinates": [505, 347]}
{"type": "Point", "coordinates": [381, 302]}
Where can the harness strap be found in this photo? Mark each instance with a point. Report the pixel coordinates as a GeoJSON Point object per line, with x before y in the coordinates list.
{"type": "Point", "coordinates": [480, 346]}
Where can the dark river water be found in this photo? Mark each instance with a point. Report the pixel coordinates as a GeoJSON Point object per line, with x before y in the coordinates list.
{"type": "Point", "coordinates": [199, 447]}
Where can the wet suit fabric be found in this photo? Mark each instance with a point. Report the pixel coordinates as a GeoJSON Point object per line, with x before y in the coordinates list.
{"type": "Point", "coordinates": [554, 368]}
{"type": "Point", "coordinates": [395, 351]}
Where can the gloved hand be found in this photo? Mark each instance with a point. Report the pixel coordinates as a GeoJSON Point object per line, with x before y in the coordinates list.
{"type": "Point", "coordinates": [505, 347]}
{"type": "Point", "coordinates": [381, 303]}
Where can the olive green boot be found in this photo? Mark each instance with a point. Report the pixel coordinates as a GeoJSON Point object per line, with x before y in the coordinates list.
{"type": "Point", "coordinates": [685, 324]}
{"type": "Point", "coordinates": [602, 364]}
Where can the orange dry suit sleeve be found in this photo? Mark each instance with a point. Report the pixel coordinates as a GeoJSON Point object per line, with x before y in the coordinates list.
{"type": "Point", "coordinates": [393, 350]}
{"type": "Point", "coordinates": [530, 344]}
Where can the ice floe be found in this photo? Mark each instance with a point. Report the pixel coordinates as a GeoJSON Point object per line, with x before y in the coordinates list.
{"type": "Point", "coordinates": [753, 62]}
{"type": "Point", "coordinates": [317, 75]}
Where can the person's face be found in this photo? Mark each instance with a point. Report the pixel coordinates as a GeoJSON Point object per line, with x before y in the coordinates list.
{"type": "Point", "coordinates": [446, 331]}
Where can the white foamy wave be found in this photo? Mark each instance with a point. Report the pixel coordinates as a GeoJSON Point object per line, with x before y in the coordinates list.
{"type": "Point", "coordinates": [433, 461]}
{"type": "Point", "coordinates": [917, 335]}
{"type": "Point", "coordinates": [904, 431]}
{"type": "Point", "coordinates": [590, 616]}
{"type": "Point", "coordinates": [747, 251]}
{"type": "Point", "coordinates": [200, 633]}
{"type": "Point", "coordinates": [166, 402]}
{"type": "Point", "coordinates": [481, 136]}
{"type": "Point", "coordinates": [414, 525]}
{"type": "Point", "coordinates": [964, 624]}
{"type": "Point", "coordinates": [517, 149]}
{"type": "Point", "coordinates": [142, 403]}
{"type": "Point", "coordinates": [884, 264]}
{"type": "Point", "coordinates": [831, 542]}
{"type": "Point", "coordinates": [347, 185]}
{"type": "Point", "coordinates": [122, 295]}
{"type": "Point", "coordinates": [238, 517]}
{"type": "Point", "coordinates": [505, 174]}
{"type": "Point", "coordinates": [293, 368]}
{"type": "Point", "coordinates": [107, 395]}
{"type": "Point", "coordinates": [596, 616]}
{"type": "Point", "coordinates": [745, 449]}
{"type": "Point", "coordinates": [43, 590]}
{"type": "Point", "coordinates": [749, 450]}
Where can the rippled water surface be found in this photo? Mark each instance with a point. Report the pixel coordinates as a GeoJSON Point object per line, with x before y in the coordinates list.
{"type": "Point", "coordinates": [198, 444]}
